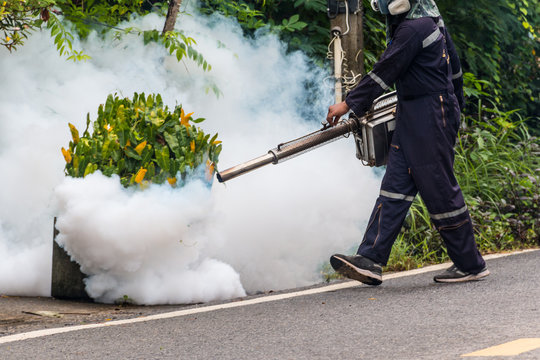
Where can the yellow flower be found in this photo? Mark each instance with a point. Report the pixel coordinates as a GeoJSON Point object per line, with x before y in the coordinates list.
{"type": "Point", "coordinates": [210, 166]}
{"type": "Point", "coordinates": [184, 119]}
{"type": "Point", "coordinates": [74, 133]}
{"type": "Point", "coordinates": [139, 149]}
{"type": "Point", "coordinates": [8, 39]}
{"type": "Point", "coordinates": [108, 127]}
{"type": "Point", "coordinates": [216, 142]}
{"type": "Point", "coordinates": [128, 143]}
{"type": "Point", "coordinates": [192, 145]}
{"type": "Point", "coordinates": [140, 175]}
{"type": "Point", "coordinates": [172, 181]}
{"type": "Point", "coordinates": [67, 155]}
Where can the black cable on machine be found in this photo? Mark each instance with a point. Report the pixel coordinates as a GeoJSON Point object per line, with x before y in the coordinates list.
{"type": "Point", "coordinates": [335, 7]}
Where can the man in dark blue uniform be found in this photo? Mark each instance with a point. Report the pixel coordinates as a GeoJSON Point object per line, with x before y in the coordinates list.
{"type": "Point", "coordinates": [422, 61]}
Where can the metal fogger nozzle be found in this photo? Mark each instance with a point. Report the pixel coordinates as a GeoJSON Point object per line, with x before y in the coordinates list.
{"type": "Point", "coordinates": [372, 133]}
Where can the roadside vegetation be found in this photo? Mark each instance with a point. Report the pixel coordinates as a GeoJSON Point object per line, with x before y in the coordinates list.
{"type": "Point", "coordinates": [142, 142]}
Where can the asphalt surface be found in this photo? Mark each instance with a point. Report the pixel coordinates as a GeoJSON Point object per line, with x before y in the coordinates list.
{"type": "Point", "coordinates": [409, 317]}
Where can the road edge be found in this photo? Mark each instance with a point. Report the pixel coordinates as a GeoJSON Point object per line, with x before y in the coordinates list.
{"type": "Point", "coordinates": [239, 302]}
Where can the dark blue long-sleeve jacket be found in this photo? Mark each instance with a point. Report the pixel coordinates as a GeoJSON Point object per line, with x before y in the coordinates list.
{"type": "Point", "coordinates": [420, 59]}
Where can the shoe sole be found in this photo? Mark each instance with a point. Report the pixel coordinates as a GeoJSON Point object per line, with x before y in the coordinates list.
{"type": "Point", "coordinates": [470, 277]}
{"type": "Point", "coordinates": [352, 272]}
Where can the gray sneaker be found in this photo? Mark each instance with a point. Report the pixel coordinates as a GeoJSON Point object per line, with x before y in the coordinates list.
{"type": "Point", "coordinates": [358, 268]}
{"type": "Point", "coordinates": [453, 275]}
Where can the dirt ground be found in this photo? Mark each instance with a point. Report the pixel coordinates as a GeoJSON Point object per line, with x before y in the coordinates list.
{"type": "Point", "coordinates": [22, 314]}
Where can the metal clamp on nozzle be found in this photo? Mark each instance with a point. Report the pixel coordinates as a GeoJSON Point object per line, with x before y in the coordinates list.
{"type": "Point", "coordinates": [325, 125]}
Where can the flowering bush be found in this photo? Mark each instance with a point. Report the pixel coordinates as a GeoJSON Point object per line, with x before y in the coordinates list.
{"type": "Point", "coordinates": [141, 141]}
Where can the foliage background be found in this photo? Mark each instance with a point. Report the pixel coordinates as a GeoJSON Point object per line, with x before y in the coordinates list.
{"type": "Point", "coordinates": [497, 40]}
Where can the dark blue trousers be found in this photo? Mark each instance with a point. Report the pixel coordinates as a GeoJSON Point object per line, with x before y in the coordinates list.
{"type": "Point", "coordinates": [421, 161]}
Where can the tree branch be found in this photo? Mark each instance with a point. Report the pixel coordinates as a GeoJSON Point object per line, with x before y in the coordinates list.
{"type": "Point", "coordinates": [172, 13]}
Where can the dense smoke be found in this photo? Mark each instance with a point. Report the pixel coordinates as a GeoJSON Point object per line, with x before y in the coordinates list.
{"type": "Point", "coordinates": [270, 229]}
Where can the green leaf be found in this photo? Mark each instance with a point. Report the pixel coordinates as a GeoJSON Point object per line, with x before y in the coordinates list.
{"type": "Point", "coordinates": [172, 141]}
{"type": "Point", "coordinates": [146, 156]}
{"type": "Point", "coordinates": [89, 169]}
{"type": "Point", "coordinates": [162, 158]}
{"type": "Point", "coordinates": [130, 152]}
{"type": "Point", "coordinates": [174, 167]}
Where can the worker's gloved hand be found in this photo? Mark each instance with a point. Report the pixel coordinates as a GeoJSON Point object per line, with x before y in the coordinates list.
{"type": "Point", "coordinates": [336, 111]}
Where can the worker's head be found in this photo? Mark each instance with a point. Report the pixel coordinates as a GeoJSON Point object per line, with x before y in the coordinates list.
{"type": "Point", "coordinates": [413, 8]}
{"type": "Point", "coordinates": [391, 7]}
{"type": "Point", "coordinates": [404, 9]}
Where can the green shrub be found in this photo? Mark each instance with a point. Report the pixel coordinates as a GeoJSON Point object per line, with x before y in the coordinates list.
{"type": "Point", "coordinates": [498, 162]}
{"type": "Point", "coordinates": [140, 139]}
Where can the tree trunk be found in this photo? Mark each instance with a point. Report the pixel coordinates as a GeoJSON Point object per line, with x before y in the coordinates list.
{"type": "Point", "coordinates": [172, 13]}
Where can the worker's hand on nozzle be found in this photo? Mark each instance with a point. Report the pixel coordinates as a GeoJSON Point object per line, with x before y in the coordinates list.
{"type": "Point", "coordinates": [336, 111]}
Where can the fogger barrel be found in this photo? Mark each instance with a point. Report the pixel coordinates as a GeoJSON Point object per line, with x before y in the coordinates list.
{"type": "Point", "coordinates": [291, 149]}
{"type": "Point", "coordinates": [382, 114]}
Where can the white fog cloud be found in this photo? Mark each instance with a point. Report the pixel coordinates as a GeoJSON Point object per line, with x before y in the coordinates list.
{"type": "Point", "coordinates": [270, 229]}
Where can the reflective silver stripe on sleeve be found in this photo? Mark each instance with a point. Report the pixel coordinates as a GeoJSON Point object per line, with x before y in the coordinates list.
{"type": "Point", "coordinates": [431, 38]}
{"type": "Point", "coordinates": [440, 23]}
{"type": "Point", "coordinates": [378, 80]}
{"type": "Point", "coordinates": [458, 75]}
{"type": "Point", "coordinates": [397, 196]}
{"type": "Point", "coordinates": [449, 214]}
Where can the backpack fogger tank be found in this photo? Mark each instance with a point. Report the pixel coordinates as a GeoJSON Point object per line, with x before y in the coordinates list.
{"type": "Point", "coordinates": [372, 136]}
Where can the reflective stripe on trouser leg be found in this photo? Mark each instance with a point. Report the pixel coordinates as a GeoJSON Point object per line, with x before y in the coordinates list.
{"type": "Point", "coordinates": [396, 196]}
{"type": "Point", "coordinates": [444, 201]}
{"type": "Point", "coordinates": [449, 214]}
{"type": "Point", "coordinates": [458, 235]}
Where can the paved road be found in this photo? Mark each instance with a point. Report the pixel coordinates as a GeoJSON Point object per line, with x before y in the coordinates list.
{"type": "Point", "coordinates": [408, 317]}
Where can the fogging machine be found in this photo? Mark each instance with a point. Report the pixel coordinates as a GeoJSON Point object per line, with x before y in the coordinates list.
{"type": "Point", "coordinates": [372, 136]}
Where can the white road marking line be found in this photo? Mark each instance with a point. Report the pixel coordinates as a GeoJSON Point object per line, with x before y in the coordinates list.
{"type": "Point", "coordinates": [511, 348]}
{"type": "Point", "coordinates": [234, 304]}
